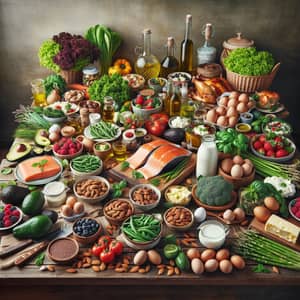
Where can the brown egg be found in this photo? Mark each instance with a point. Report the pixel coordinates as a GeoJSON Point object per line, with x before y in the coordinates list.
{"type": "Point", "coordinates": [224, 101]}
{"type": "Point", "coordinates": [232, 112]}
{"type": "Point", "coordinates": [211, 265]}
{"type": "Point", "coordinates": [226, 165]}
{"type": "Point", "coordinates": [197, 266]}
{"type": "Point", "coordinates": [271, 203]}
{"type": "Point", "coordinates": [242, 107]}
{"type": "Point", "coordinates": [237, 159]}
{"type": "Point", "coordinates": [232, 102]}
{"type": "Point", "coordinates": [225, 266]}
{"type": "Point", "coordinates": [261, 213]}
{"type": "Point", "coordinates": [208, 254]}
{"type": "Point", "coordinates": [236, 171]}
{"type": "Point", "coordinates": [71, 200]}
{"type": "Point", "coordinates": [247, 169]}
{"type": "Point", "coordinates": [234, 94]}
{"type": "Point", "coordinates": [238, 262]}
{"type": "Point", "coordinates": [67, 211]}
{"type": "Point", "coordinates": [222, 121]}
{"type": "Point", "coordinates": [221, 110]}
{"type": "Point", "coordinates": [232, 121]}
{"type": "Point", "coordinates": [78, 208]}
{"type": "Point", "coordinates": [248, 161]}
{"type": "Point", "coordinates": [228, 215]}
{"type": "Point", "coordinates": [243, 98]}
{"type": "Point", "coordinates": [239, 214]}
{"type": "Point", "coordinates": [222, 254]}
{"type": "Point", "coordinates": [250, 104]}
{"type": "Point", "coordinates": [154, 257]}
{"type": "Point", "coordinates": [211, 116]}
{"type": "Point", "coordinates": [193, 253]}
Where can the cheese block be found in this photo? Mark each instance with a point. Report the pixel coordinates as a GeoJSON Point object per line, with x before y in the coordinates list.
{"type": "Point", "coordinates": [282, 228]}
{"type": "Point", "coordinates": [30, 172]}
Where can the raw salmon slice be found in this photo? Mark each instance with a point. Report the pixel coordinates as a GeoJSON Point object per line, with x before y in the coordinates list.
{"type": "Point", "coordinates": [160, 158]}
{"type": "Point", "coordinates": [30, 173]}
{"type": "Point", "coordinates": [140, 156]}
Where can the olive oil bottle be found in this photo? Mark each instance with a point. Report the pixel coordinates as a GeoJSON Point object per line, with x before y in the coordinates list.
{"type": "Point", "coordinates": [175, 102]}
{"type": "Point", "coordinates": [187, 46]}
{"type": "Point", "coordinates": [170, 63]}
{"type": "Point", "coordinates": [168, 96]}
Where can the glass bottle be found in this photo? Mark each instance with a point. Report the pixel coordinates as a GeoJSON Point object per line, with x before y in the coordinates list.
{"type": "Point", "coordinates": [108, 109]}
{"type": "Point", "coordinates": [207, 157]}
{"type": "Point", "coordinates": [207, 53]}
{"type": "Point", "coordinates": [147, 64]}
{"type": "Point", "coordinates": [187, 105]}
{"type": "Point", "coordinates": [175, 102]}
{"type": "Point", "coordinates": [38, 92]}
{"type": "Point", "coordinates": [168, 96]}
{"type": "Point", "coordinates": [186, 54]}
{"type": "Point", "coordinates": [170, 63]}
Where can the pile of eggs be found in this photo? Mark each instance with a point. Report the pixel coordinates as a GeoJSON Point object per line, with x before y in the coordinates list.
{"type": "Point", "coordinates": [72, 207]}
{"type": "Point", "coordinates": [222, 116]}
{"type": "Point", "coordinates": [237, 167]}
{"type": "Point", "coordinates": [237, 215]}
{"type": "Point", "coordinates": [240, 102]}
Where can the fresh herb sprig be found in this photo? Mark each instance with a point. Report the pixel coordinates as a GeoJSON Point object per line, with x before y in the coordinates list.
{"type": "Point", "coordinates": [40, 164]}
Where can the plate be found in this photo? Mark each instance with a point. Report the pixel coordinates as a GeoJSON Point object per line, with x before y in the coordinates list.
{"type": "Point", "coordinates": [40, 181]}
{"type": "Point", "coordinates": [87, 133]}
{"type": "Point", "coordinates": [216, 208]}
{"type": "Point", "coordinates": [62, 105]}
{"type": "Point", "coordinates": [4, 229]}
{"type": "Point", "coordinates": [275, 159]}
{"type": "Point", "coordinates": [276, 124]}
{"type": "Point", "coordinates": [270, 111]}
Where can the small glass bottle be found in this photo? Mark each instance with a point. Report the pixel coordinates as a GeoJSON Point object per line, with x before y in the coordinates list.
{"type": "Point", "coordinates": [168, 96]}
{"type": "Point", "coordinates": [207, 53]}
{"type": "Point", "coordinates": [187, 46]}
{"type": "Point", "coordinates": [175, 102]}
{"type": "Point", "coordinates": [207, 157]}
{"type": "Point", "coordinates": [90, 74]}
{"type": "Point", "coordinates": [38, 92]}
{"type": "Point", "coordinates": [108, 109]}
{"type": "Point", "coordinates": [170, 63]}
{"type": "Point", "coordinates": [147, 64]}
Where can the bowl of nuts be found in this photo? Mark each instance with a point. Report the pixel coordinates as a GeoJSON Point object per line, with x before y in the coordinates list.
{"type": "Point", "coordinates": [91, 189]}
{"type": "Point", "coordinates": [145, 196]}
{"type": "Point", "coordinates": [179, 218]}
{"type": "Point", "coordinates": [74, 96]}
{"type": "Point", "coordinates": [117, 210]}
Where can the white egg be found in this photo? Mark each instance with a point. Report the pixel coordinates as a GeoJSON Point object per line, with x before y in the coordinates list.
{"type": "Point", "coordinates": [200, 214]}
{"type": "Point", "coordinates": [54, 128]}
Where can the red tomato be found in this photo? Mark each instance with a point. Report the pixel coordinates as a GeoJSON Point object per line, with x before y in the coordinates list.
{"type": "Point", "coordinates": [97, 249]}
{"type": "Point", "coordinates": [116, 247]}
{"type": "Point", "coordinates": [104, 241]}
{"type": "Point", "coordinates": [160, 116]}
{"type": "Point", "coordinates": [156, 127]}
{"type": "Point", "coordinates": [107, 256]}
{"type": "Point", "coordinates": [139, 100]}
{"type": "Point", "coordinates": [262, 138]}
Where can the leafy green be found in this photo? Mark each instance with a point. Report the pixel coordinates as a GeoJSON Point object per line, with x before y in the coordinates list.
{"type": "Point", "coordinates": [124, 165]}
{"type": "Point", "coordinates": [214, 190]}
{"type": "Point", "coordinates": [260, 268]}
{"type": "Point", "coordinates": [40, 164]}
{"type": "Point", "coordinates": [6, 171]}
{"type": "Point", "coordinates": [114, 86]}
{"type": "Point", "coordinates": [46, 53]}
{"type": "Point", "coordinates": [249, 61]}
{"type": "Point", "coordinates": [118, 188]}
{"type": "Point", "coordinates": [40, 259]}
{"type": "Point", "coordinates": [107, 41]}
{"type": "Point", "coordinates": [54, 81]}
{"type": "Point", "coordinates": [137, 174]}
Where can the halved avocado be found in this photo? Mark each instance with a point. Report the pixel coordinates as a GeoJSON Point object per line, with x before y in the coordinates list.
{"type": "Point", "coordinates": [18, 151]}
{"type": "Point", "coordinates": [37, 150]}
{"type": "Point", "coordinates": [41, 138]}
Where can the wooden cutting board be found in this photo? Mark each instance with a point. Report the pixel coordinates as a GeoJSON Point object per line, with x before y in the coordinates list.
{"type": "Point", "coordinates": [117, 174]}
{"type": "Point", "coordinates": [260, 227]}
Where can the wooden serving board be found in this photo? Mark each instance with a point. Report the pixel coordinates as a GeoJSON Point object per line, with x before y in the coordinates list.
{"type": "Point", "coordinates": [260, 227]}
{"type": "Point", "coordinates": [117, 174]}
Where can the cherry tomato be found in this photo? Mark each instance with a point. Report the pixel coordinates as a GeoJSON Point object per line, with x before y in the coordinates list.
{"type": "Point", "coordinates": [107, 256]}
{"type": "Point", "coordinates": [104, 241]}
{"type": "Point", "coordinates": [97, 249]}
{"type": "Point", "coordinates": [116, 247]}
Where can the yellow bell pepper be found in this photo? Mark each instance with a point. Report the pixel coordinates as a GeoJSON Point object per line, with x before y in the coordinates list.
{"type": "Point", "coordinates": [123, 66]}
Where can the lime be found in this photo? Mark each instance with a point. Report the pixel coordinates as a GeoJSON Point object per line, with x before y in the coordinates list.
{"type": "Point", "coordinates": [171, 251]}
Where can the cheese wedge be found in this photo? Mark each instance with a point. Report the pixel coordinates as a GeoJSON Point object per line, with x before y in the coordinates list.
{"type": "Point", "coordinates": [282, 228]}
{"type": "Point", "coordinates": [30, 172]}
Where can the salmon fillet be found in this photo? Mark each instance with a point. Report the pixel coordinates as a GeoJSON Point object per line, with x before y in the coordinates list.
{"type": "Point", "coordinates": [30, 173]}
{"type": "Point", "coordinates": [160, 158]}
{"type": "Point", "coordinates": [140, 156]}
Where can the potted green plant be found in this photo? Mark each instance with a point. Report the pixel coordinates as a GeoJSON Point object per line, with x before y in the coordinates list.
{"type": "Point", "coordinates": [67, 54]}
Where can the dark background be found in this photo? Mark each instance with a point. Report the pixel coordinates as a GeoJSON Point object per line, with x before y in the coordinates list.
{"type": "Point", "coordinates": [24, 25]}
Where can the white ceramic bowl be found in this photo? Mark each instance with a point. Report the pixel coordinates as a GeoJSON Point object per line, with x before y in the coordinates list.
{"type": "Point", "coordinates": [173, 118]}
{"type": "Point", "coordinates": [145, 113]}
{"type": "Point", "coordinates": [78, 174]}
{"type": "Point", "coordinates": [4, 229]}
{"type": "Point", "coordinates": [54, 120]}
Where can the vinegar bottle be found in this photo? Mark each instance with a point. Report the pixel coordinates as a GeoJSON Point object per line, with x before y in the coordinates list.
{"type": "Point", "coordinates": [186, 53]}
{"type": "Point", "coordinates": [147, 64]}
{"type": "Point", "coordinates": [169, 64]}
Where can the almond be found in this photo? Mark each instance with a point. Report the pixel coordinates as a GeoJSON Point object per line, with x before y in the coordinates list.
{"type": "Point", "coordinates": [71, 270]}
{"type": "Point", "coordinates": [102, 266]}
{"type": "Point", "coordinates": [96, 268]}
{"type": "Point", "coordinates": [134, 269]}
{"type": "Point", "coordinates": [96, 262]}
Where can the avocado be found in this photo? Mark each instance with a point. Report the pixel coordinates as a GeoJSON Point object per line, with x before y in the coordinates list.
{"type": "Point", "coordinates": [33, 203]}
{"type": "Point", "coordinates": [13, 194]}
{"type": "Point", "coordinates": [51, 214]}
{"type": "Point", "coordinates": [37, 150]}
{"type": "Point", "coordinates": [41, 138]}
{"type": "Point", "coordinates": [174, 135]}
{"type": "Point", "coordinates": [18, 151]}
{"type": "Point", "coordinates": [34, 228]}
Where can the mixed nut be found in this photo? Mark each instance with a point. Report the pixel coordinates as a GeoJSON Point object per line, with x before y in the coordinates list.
{"type": "Point", "coordinates": [74, 96]}
{"type": "Point", "coordinates": [91, 188]}
{"type": "Point", "coordinates": [144, 196]}
{"type": "Point", "coordinates": [118, 210]}
{"type": "Point", "coordinates": [178, 216]}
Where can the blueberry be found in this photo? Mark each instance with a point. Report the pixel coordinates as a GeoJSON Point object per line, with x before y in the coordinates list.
{"type": "Point", "coordinates": [12, 208]}
{"type": "Point", "coordinates": [14, 219]}
{"type": "Point", "coordinates": [1, 215]}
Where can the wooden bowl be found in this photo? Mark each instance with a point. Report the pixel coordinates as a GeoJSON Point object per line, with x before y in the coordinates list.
{"type": "Point", "coordinates": [115, 221]}
{"type": "Point", "coordinates": [102, 154]}
{"type": "Point", "coordinates": [179, 228]}
{"type": "Point", "coordinates": [237, 182]}
{"type": "Point", "coordinates": [215, 208]}
{"type": "Point", "coordinates": [84, 240]}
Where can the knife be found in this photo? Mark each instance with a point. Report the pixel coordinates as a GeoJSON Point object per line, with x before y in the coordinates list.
{"type": "Point", "coordinates": [23, 244]}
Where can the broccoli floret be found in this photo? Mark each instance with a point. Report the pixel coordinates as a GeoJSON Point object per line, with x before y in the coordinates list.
{"type": "Point", "coordinates": [214, 190]}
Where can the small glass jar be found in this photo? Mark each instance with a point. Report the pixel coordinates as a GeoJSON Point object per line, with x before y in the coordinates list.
{"type": "Point", "coordinates": [55, 193]}
{"type": "Point", "coordinates": [129, 139]}
{"type": "Point", "coordinates": [90, 74]}
{"type": "Point", "coordinates": [108, 109]}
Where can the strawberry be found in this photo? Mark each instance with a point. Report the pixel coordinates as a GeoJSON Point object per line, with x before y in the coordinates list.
{"type": "Point", "coordinates": [262, 138]}
{"type": "Point", "coordinates": [281, 153]}
{"type": "Point", "coordinates": [257, 145]}
{"type": "Point", "coordinates": [139, 100]}
{"type": "Point", "coordinates": [268, 146]}
{"type": "Point", "coordinates": [270, 153]}
{"type": "Point", "coordinates": [298, 214]}
{"type": "Point", "coordinates": [278, 139]}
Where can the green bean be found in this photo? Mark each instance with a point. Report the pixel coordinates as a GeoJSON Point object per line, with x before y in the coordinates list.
{"type": "Point", "coordinates": [86, 163]}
